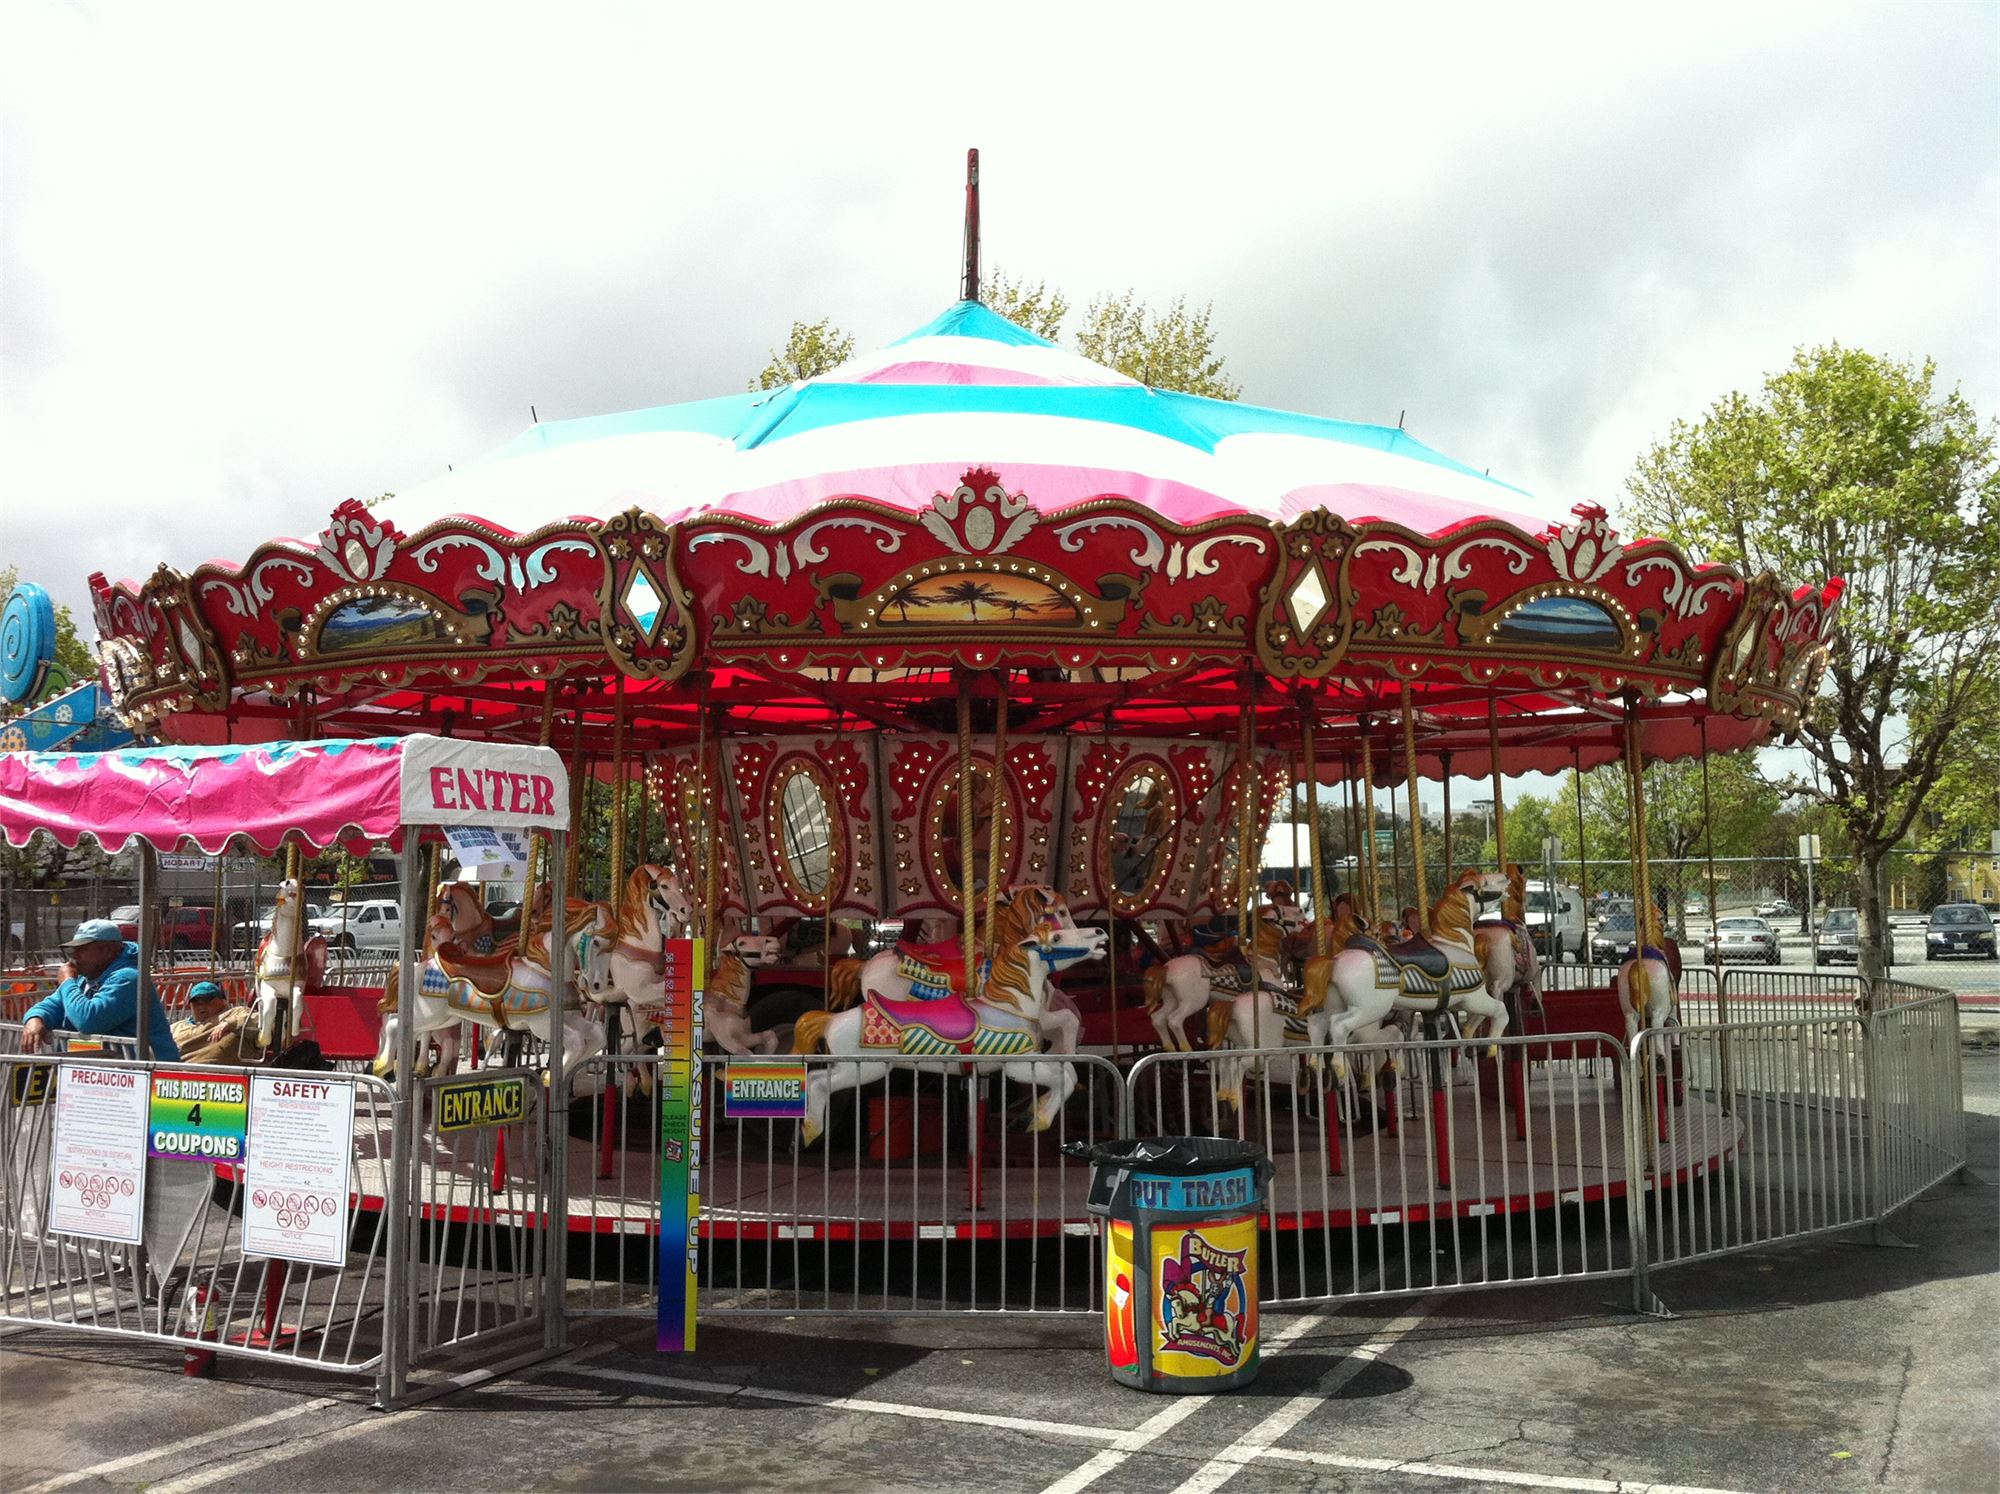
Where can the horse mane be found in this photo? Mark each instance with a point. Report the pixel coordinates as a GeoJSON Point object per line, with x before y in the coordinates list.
{"type": "Point", "coordinates": [632, 901]}
{"type": "Point", "coordinates": [1007, 980]}
{"type": "Point", "coordinates": [1451, 917]}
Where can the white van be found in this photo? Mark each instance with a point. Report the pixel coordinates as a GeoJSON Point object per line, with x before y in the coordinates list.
{"type": "Point", "coordinates": [1557, 932]}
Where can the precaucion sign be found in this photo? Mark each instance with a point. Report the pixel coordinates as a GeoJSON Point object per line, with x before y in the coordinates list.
{"type": "Point", "coordinates": [198, 1116]}
{"type": "Point", "coordinates": [764, 1091]}
{"type": "Point", "coordinates": [683, 963]}
{"type": "Point", "coordinates": [482, 1102]}
{"type": "Point", "coordinates": [295, 1171]}
{"type": "Point", "coordinates": [97, 1164]}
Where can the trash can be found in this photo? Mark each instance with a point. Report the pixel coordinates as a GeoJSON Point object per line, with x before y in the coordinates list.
{"type": "Point", "coordinates": [1180, 1258]}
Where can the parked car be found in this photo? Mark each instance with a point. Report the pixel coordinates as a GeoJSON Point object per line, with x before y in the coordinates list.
{"type": "Point", "coordinates": [375, 925]}
{"type": "Point", "coordinates": [187, 928]}
{"type": "Point", "coordinates": [1743, 939]}
{"type": "Point", "coordinates": [250, 932]}
{"type": "Point", "coordinates": [1839, 940]}
{"type": "Point", "coordinates": [1777, 908]}
{"type": "Point", "coordinates": [1959, 930]}
{"type": "Point", "coordinates": [1611, 940]}
{"type": "Point", "coordinates": [126, 916]}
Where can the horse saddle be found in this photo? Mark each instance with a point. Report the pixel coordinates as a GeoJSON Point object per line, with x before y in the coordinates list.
{"type": "Point", "coordinates": [488, 974]}
{"type": "Point", "coordinates": [1417, 954]}
{"type": "Point", "coordinates": [1229, 973]}
{"type": "Point", "coordinates": [946, 1018]}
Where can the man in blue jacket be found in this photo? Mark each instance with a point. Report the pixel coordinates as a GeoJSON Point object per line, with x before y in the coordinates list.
{"type": "Point", "coordinates": [99, 994]}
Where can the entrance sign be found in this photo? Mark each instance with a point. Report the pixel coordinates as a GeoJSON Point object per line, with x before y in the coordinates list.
{"type": "Point", "coordinates": [683, 963]}
{"type": "Point", "coordinates": [97, 1164]}
{"type": "Point", "coordinates": [295, 1173]}
{"type": "Point", "coordinates": [197, 1115]}
{"type": "Point", "coordinates": [771, 1090]}
{"type": "Point", "coordinates": [482, 1102]}
{"type": "Point", "coordinates": [29, 1083]}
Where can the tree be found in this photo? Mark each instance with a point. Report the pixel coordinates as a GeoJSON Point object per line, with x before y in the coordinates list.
{"type": "Point", "coordinates": [1037, 307]}
{"type": "Point", "coordinates": [812, 349]}
{"type": "Point", "coordinates": [1846, 464]}
{"type": "Point", "coordinates": [1172, 349]}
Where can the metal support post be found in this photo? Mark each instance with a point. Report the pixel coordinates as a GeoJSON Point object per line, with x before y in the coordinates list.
{"type": "Point", "coordinates": [401, 1310]}
{"type": "Point", "coordinates": [555, 1140]}
{"type": "Point", "coordinates": [142, 1009]}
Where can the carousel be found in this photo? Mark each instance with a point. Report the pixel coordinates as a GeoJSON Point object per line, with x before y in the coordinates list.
{"type": "Point", "coordinates": [951, 694]}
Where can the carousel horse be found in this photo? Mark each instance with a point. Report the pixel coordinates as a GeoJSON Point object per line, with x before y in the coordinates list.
{"type": "Point", "coordinates": [1506, 951]}
{"type": "Point", "coordinates": [913, 1003]}
{"type": "Point", "coordinates": [1217, 981]}
{"type": "Point", "coordinates": [1321, 1001]}
{"type": "Point", "coordinates": [844, 983]}
{"type": "Point", "coordinates": [510, 990]}
{"type": "Point", "coordinates": [281, 980]}
{"type": "Point", "coordinates": [1645, 982]}
{"type": "Point", "coordinates": [1437, 973]}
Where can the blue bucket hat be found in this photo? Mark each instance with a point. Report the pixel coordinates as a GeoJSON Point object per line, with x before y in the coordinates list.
{"type": "Point", "coordinates": [94, 931]}
{"type": "Point", "coordinates": [205, 990]}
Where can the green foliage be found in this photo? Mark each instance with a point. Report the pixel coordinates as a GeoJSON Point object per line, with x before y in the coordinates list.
{"type": "Point", "coordinates": [812, 349]}
{"type": "Point", "coordinates": [1170, 349]}
{"type": "Point", "coordinates": [1038, 307]}
{"type": "Point", "coordinates": [1846, 464]}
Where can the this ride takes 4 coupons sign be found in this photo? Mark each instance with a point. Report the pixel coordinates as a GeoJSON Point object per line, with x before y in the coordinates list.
{"type": "Point", "coordinates": [199, 1116]}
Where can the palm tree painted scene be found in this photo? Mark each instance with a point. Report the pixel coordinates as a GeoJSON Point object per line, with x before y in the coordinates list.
{"type": "Point", "coordinates": [976, 598]}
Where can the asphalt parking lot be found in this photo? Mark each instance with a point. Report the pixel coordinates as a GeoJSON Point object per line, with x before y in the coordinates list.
{"type": "Point", "coordinates": [1829, 1366]}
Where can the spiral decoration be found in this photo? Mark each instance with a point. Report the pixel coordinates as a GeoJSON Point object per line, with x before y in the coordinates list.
{"type": "Point", "coordinates": [27, 643]}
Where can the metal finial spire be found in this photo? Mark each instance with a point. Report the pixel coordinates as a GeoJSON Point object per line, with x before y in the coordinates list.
{"type": "Point", "coordinates": [969, 287]}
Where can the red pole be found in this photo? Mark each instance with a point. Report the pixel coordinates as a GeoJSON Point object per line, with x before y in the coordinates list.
{"type": "Point", "coordinates": [1335, 1163]}
{"type": "Point", "coordinates": [1517, 1082]}
{"type": "Point", "coordinates": [969, 286]}
{"type": "Point", "coordinates": [974, 1160]}
{"type": "Point", "coordinates": [1441, 1131]}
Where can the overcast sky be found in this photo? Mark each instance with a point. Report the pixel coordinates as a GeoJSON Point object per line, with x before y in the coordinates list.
{"type": "Point", "coordinates": [256, 260]}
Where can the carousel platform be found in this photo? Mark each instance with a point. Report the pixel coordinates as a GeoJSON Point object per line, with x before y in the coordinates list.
{"type": "Point", "coordinates": [756, 1187]}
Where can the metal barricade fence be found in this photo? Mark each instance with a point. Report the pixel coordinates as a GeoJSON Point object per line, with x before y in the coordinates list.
{"type": "Point", "coordinates": [478, 1248]}
{"type": "Point", "coordinates": [1431, 1167]}
{"type": "Point", "coordinates": [1917, 1107]}
{"type": "Point", "coordinates": [191, 1283]}
{"type": "Point", "coordinates": [1746, 1134]}
{"type": "Point", "coordinates": [924, 1193]}
{"type": "Point", "coordinates": [1752, 993]}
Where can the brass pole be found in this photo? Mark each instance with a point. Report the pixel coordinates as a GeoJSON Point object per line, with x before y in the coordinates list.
{"type": "Point", "coordinates": [1312, 815]}
{"type": "Point", "coordinates": [538, 841]}
{"type": "Point", "coordinates": [1417, 880]}
{"type": "Point", "coordinates": [1110, 891]}
{"type": "Point", "coordinates": [577, 800]}
{"type": "Point", "coordinates": [967, 938]}
{"type": "Point", "coordinates": [1499, 784]}
{"type": "Point", "coordinates": [215, 917]}
{"type": "Point", "coordinates": [617, 888]}
{"type": "Point", "coordinates": [1714, 914]}
{"type": "Point", "coordinates": [645, 806]}
{"type": "Point", "coordinates": [711, 820]}
{"type": "Point", "coordinates": [1444, 777]}
{"type": "Point", "coordinates": [998, 798]}
{"type": "Point", "coordinates": [1249, 849]}
{"type": "Point", "coordinates": [1582, 846]}
{"type": "Point", "coordinates": [1368, 827]}
{"type": "Point", "coordinates": [1645, 918]}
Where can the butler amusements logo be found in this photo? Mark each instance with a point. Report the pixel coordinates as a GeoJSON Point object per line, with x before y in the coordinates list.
{"type": "Point", "coordinates": [1204, 1301]}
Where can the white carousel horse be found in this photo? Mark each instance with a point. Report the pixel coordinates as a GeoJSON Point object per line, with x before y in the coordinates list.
{"type": "Point", "coordinates": [1506, 951]}
{"type": "Point", "coordinates": [655, 908]}
{"type": "Point", "coordinates": [1646, 982]}
{"type": "Point", "coordinates": [281, 980]}
{"type": "Point", "coordinates": [1186, 985]}
{"type": "Point", "coordinates": [1436, 973]}
{"type": "Point", "coordinates": [510, 990]}
{"type": "Point", "coordinates": [1034, 935]}
{"type": "Point", "coordinates": [1321, 1001]}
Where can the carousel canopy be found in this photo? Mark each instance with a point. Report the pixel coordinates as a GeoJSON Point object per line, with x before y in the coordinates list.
{"type": "Point", "coordinates": [314, 793]}
{"type": "Point", "coordinates": [974, 502]}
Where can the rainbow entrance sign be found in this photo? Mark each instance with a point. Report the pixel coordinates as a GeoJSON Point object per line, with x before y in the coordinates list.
{"type": "Point", "coordinates": [683, 965]}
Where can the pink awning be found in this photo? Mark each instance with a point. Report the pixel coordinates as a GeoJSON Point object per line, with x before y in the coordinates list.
{"type": "Point", "coordinates": [316, 794]}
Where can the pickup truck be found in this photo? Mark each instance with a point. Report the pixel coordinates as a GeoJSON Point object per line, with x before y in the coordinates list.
{"type": "Point", "coordinates": [1557, 931]}
{"type": "Point", "coordinates": [375, 925]}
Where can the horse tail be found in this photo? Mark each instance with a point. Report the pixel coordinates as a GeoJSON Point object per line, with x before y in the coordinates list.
{"type": "Point", "coordinates": [1316, 979]}
{"type": "Point", "coordinates": [1155, 980]}
{"type": "Point", "coordinates": [1219, 1013]}
{"type": "Point", "coordinates": [843, 986]}
{"type": "Point", "coordinates": [389, 984]}
{"type": "Point", "coordinates": [809, 1032]}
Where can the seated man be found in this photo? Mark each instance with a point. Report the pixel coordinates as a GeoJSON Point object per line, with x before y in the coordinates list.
{"type": "Point", "coordinates": [214, 1031]}
{"type": "Point", "coordinates": [100, 994]}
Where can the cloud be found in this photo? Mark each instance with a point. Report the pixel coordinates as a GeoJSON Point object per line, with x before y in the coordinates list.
{"type": "Point", "coordinates": [256, 260]}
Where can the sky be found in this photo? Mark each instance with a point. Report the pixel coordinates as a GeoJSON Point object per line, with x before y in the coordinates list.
{"type": "Point", "coordinates": [255, 260]}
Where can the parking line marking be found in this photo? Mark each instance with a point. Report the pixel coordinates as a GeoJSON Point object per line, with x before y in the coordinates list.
{"type": "Point", "coordinates": [723, 1390]}
{"type": "Point", "coordinates": [298, 1447]}
{"type": "Point", "coordinates": [1254, 1443]}
{"type": "Point", "coordinates": [169, 1449]}
{"type": "Point", "coordinates": [1513, 1478]}
{"type": "Point", "coordinates": [1162, 1422]}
